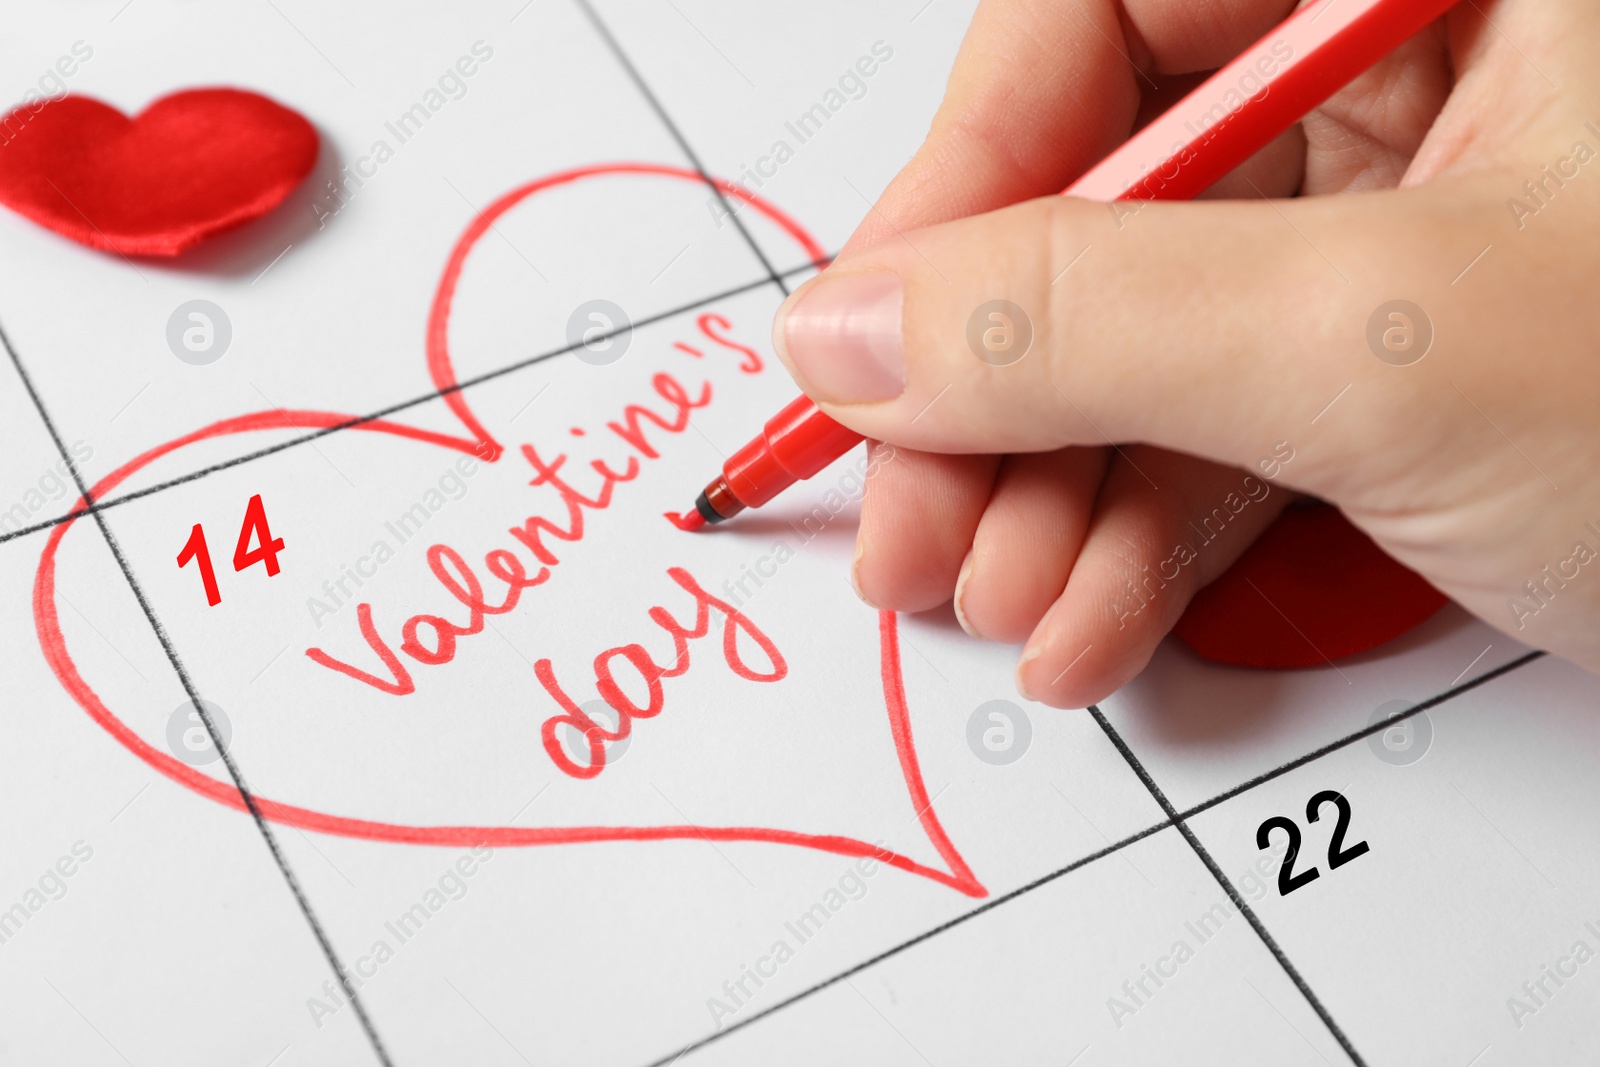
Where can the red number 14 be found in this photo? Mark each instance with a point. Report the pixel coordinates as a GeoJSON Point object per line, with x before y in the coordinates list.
{"type": "Point", "coordinates": [265, 552]}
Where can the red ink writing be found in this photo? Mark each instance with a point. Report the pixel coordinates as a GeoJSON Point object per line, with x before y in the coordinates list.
{"type": "Point", "coordinates": [636, 661]}
{"type": "Point", "coordinates": [430, 638]}
{"type": "Point", "coordinates": [752, 362]}
{"type": "Point", "coordinates": [670, 391]}
{"type": "Point", "coordinates": [265, 552]}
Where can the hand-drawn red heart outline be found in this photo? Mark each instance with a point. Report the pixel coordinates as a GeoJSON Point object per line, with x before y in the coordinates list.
{"type": "Point", "coordinates": [441, 369]}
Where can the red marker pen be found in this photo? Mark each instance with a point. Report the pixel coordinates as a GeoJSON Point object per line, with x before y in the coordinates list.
{"type": "Point", "coordinates": [1232, 115]}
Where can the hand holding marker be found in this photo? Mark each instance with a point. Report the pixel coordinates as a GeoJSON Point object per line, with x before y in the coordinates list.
{"type": "Point", "coordinates": [1223, 330]}
{"type": "Point", "coordinates": [1286, 74]}
{"type": "Point", "coordinates": [800, 440]}
{"type": "Point", "coordinates": [1212, 335]}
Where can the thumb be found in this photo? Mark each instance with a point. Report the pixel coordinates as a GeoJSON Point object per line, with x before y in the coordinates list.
{"type": "Point", "coordinates": [1205, 327]}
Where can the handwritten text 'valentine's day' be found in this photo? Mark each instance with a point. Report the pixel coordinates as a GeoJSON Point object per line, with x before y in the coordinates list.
{"type": "Point", "coordinates": [431, 639]}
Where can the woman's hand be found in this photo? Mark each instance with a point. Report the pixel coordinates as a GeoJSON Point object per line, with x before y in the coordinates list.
{"type": "Point", "coordinates": [1177, 346]}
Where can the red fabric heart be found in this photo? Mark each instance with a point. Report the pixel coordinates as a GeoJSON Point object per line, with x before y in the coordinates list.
{"type": "Point", "coordinates": [190, 165]}
{"type": "Point", "coordinates": [1312, 589]}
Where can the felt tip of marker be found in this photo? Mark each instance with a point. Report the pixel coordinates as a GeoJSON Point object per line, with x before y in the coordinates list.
{"type": "Point", "coordinates": [716, 504]}
{"type": "Point", "coordinates": [689, 521]}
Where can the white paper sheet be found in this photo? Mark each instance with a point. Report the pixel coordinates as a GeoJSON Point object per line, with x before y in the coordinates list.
{"type": "Point", "coordinates": [811, 858]}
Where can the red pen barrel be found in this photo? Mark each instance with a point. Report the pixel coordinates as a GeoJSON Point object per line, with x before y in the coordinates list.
{"type": "Point", "coordinates": [1216, 127]}
{"type": "Point", "coordinates": [795, 444]}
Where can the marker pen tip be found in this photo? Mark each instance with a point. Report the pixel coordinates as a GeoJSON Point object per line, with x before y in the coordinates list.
{"type": "Point", "coordinates": [689, 521]}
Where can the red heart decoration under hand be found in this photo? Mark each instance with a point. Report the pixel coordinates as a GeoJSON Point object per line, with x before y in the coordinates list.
{"type": "Point", "coordinates": [190, 165]}
{"type": "Point", "coordinates": [1312, 589]}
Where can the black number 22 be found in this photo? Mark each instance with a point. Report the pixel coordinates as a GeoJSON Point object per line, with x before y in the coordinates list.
{"type": "Point", "coordinates": [1338, 855]}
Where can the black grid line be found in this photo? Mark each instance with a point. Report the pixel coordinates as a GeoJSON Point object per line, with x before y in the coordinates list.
{"type": "Point", "coordinates": [1173, 819]}
{"type": "Point", "coordinates": [435, 394]}
{"type": "Point", "coordinates": [300, 898]}
{"type": "Point", "coordinates": [895, 950]}
{"type": "Point", "coordinates": [677, 135]}
{"type": "Point", "coordinates": [1228, 887]}
{"type": "Point", "coordinates": [1362, 734]}
{"type": "Point", "coordinates": [95, 508]}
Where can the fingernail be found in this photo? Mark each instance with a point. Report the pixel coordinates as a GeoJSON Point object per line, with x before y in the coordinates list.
{"type": "Point", "coordinates": [855, 576]}
{"type": "Point", "coordinates": [961, 588]}
{"type": "Point", "coordinates": [1028, 656]}
{"type": "Point", "coordinates": [841, 338]}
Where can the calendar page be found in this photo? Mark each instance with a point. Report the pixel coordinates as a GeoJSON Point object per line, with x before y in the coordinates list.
{"type": "Point", "coordinates": [363, 704]}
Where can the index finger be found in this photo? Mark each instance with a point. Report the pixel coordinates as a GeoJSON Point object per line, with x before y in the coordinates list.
{"type": "Point", "coordinates": [1041, 90]}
